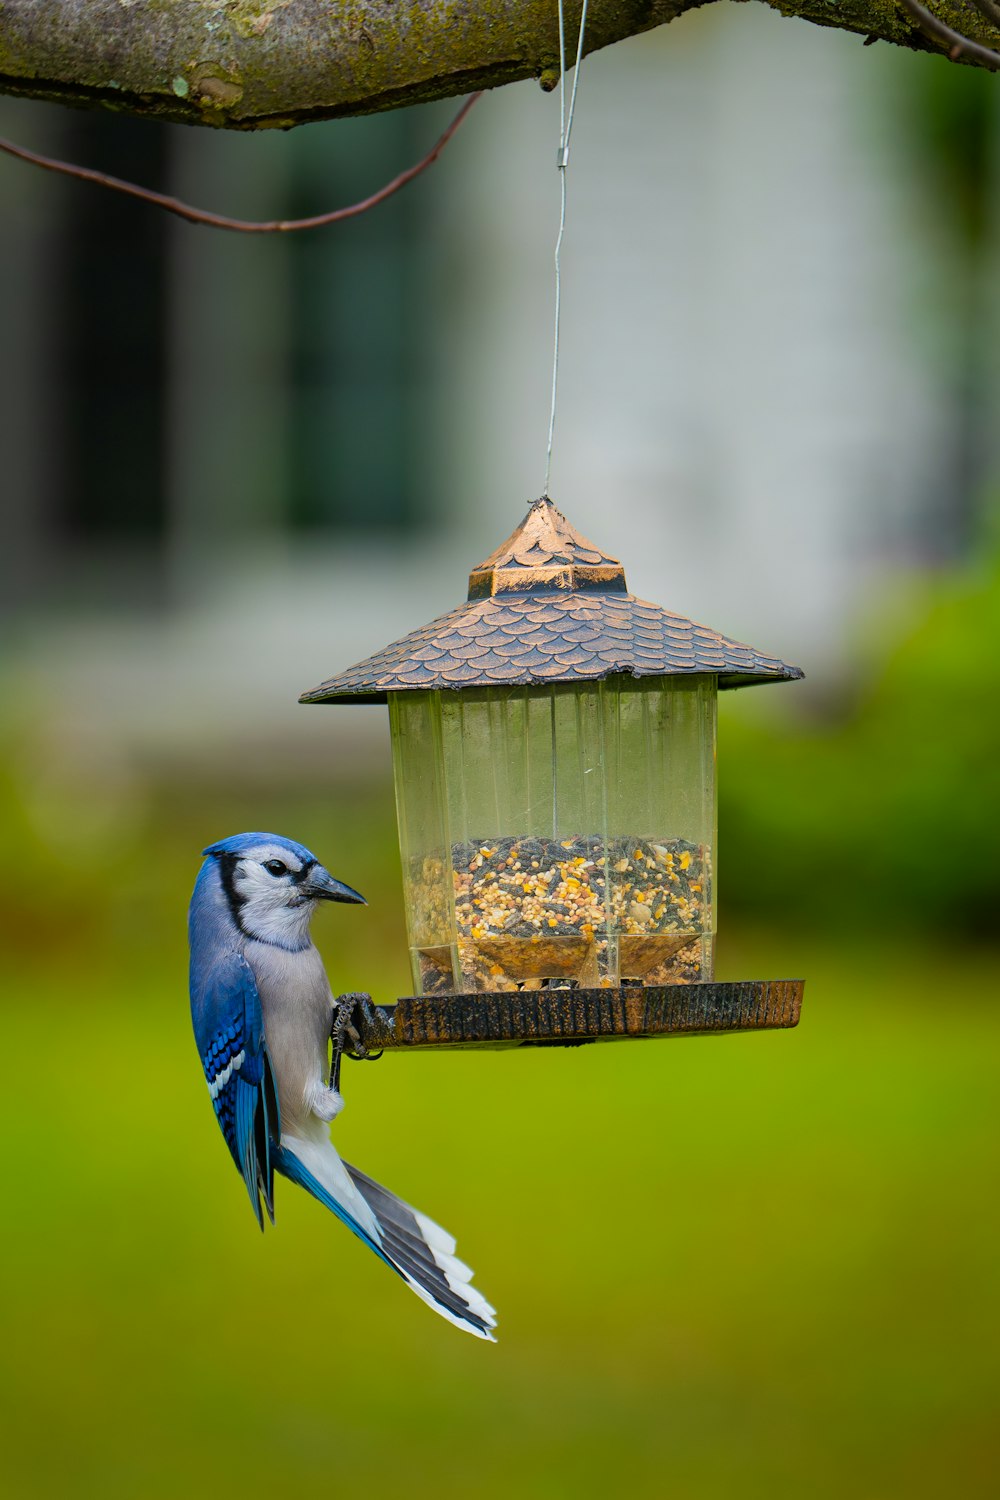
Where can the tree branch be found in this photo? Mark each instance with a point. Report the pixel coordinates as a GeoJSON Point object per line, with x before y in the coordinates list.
{"type": "Point", "coordinates": [248, 64]}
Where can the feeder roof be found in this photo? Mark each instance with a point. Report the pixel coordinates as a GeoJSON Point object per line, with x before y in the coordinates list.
{"type": "Point", "coordinates": [548, 606]}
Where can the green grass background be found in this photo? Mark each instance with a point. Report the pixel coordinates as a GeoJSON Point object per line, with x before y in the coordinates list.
{"type": "Point", "coordinates": [760, 1265]}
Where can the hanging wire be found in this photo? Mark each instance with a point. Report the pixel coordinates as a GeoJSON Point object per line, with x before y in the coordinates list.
{"type": "Point", "coordinates": [562, 162]}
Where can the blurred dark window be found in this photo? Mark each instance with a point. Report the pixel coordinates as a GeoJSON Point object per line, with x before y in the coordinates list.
{"type": "Point", "coordinates": [97, 493]}
{"type": "Point", "coordinates": [108, 344]}
{"type": "Point", "coordinates": [355, 310]}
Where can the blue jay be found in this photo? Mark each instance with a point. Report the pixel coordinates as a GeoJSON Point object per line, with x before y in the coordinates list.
{"type": "Point", "coordinates": [263, 1010]}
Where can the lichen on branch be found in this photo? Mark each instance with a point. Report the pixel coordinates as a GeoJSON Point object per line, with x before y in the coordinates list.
{"type": "Point", "coordinates": [251, 64]}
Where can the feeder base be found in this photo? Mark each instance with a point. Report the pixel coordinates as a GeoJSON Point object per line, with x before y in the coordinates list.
{"type": "Point", "coordinates": [570, 1017]}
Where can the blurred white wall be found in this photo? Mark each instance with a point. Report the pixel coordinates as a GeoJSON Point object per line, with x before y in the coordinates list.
{"type": "Point", "coordinates": [748, 412]}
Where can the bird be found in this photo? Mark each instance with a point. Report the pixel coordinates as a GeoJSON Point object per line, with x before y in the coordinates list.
{"type": "Point", "coordinates": [263, 1010]}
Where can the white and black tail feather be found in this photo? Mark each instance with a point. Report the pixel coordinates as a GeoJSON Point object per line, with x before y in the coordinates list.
{"type": "Point", "coordinates": [424, 1255]}
{"type": "Point", "coordinates": [416, 1248]}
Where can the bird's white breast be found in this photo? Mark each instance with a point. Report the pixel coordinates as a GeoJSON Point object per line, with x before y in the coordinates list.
{"type": "Point", "coordinates": [297, 1004]}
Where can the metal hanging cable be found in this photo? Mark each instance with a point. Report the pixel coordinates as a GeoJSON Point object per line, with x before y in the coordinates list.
{"type": "Point", "coordinates": [562, 162]}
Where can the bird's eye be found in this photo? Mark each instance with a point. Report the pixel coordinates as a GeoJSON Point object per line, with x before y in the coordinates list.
{"type": "Point", "coordinates": [275, 867]}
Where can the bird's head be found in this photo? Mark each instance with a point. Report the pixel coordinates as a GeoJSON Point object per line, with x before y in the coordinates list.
{"type": "Point", "coordinates": [272, 886]}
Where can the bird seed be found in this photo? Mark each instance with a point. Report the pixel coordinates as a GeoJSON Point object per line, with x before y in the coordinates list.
{"type": "Point", "coordinates": [579, 910]}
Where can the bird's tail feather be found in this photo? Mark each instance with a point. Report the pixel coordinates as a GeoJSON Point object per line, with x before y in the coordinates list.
{"type": "Point", "coordinates": [416, 1248]}
{"type": "Point", "coordinates": [424, 1255]}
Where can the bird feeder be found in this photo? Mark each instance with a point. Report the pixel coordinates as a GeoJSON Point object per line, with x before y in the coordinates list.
{"type": "Point", "coordinates": [553, 745]}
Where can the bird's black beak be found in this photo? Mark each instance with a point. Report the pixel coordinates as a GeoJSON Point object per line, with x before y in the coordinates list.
{"type": "Point", "coordinates": [320, 885]}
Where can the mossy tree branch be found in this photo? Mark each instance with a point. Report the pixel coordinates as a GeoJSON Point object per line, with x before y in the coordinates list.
{"type": "Point", "coordinates": [248, 64]}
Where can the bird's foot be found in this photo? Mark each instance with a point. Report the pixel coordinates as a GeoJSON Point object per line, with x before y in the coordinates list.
{"type": "Point", "coordinates": [348, 1011]}
{"type": "Point", "coordinates": [355, 1019]}
{"type": "Point", "coordinates": [357, 1023]}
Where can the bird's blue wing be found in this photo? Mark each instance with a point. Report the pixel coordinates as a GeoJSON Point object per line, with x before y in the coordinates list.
{"type": "Point", "coordinates": [229, 1029]}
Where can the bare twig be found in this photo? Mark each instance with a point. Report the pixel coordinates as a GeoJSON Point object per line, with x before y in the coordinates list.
{"type": "Point", "coordinates": [957, 44]}
{"type": "Point", "coordinates": [243, 226]}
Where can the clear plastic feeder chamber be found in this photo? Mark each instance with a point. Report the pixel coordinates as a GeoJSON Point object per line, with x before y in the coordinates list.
{"type": "Point", "coordinates": [558, 835]}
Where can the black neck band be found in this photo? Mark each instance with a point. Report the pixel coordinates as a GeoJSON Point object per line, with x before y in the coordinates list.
{"type": "Point", "coordinates": [227, 869]}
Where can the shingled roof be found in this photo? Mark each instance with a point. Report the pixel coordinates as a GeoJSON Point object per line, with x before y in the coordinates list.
{"type": "Point", "coordinates": [548, 606]}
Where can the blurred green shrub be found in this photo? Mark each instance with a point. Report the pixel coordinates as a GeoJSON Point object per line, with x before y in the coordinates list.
{"type": "Point", "coordinates": [887, 815]}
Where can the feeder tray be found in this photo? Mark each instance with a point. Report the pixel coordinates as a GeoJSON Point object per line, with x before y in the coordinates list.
{"type": "Point", "coordinates": [554, 760]}
{"type": "Point", "coordinates": [570, 1018]}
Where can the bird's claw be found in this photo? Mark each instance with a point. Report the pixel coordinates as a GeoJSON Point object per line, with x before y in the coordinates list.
{"type": "Point", "coordinates": [354, 1017]}
{"type": "Point", "coordinates": [353, 1013]}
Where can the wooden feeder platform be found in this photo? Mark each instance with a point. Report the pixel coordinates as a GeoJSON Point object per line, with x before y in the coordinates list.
{"type": "Point", "coordinates": [555, 1017]}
